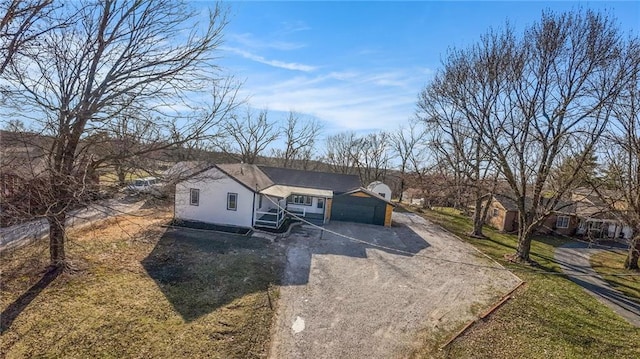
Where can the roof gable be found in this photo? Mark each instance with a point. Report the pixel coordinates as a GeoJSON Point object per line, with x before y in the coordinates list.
{"type": "Point", "coordinates": [248, 175]}
{"type": "Point", "coordinates": [363, 192]}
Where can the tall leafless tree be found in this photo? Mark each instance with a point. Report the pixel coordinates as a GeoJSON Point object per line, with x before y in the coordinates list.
{"type": "Point", "coordinates": [300, 137]}
{"type": "Point", "coordinates": [340, 152]}
{"type": "Point", "coordinates": [621, 190]}
{"type": "Point", "coordinates": [533, 100]}
{"type": "Point", "coordinates": [467, 90]}
{"type": "Point", "coordinates": [562, 80]}
{"type": "Point", "coordinates": [144, 56]}
{"type": "Point", "coordinates": [371, 154]}
{"type": "Point", "coordinates": [246, 138]}
{"type": "Point", "coordinates": [407, 143]}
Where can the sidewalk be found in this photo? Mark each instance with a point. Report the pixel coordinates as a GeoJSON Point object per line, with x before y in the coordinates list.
{"type": "Point", "coordinates": [21, 234]}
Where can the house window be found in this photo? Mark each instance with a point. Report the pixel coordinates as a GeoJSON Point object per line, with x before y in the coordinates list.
{"type": "Point", "coordinates": [232, 201]}
{"type": "Point", "coordinates": [495, 212]}
{"type": "Point", "coordinates": [320, 203]}
{"type": "Point", "coordinates": [562, 222]}
{"type": "Point", "coordinates": [194, 197]}
{"type": "Point", "coordinates": [300, 199]}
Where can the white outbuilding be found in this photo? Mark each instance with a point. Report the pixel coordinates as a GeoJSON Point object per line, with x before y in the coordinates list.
{"type": "Point", "coordinates": [381, 189]}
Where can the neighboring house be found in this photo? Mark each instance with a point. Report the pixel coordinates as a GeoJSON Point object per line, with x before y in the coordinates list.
{"type": "Point", "coordinates": [413, 196]}
{"type": "Point", "coordinates": [380, 189]}
{"type": "Point", "coordinates": [503, 215]}
{"type": "Point", "coordinates": [24, 180]}
{"type": "Point", "coordinates": [250, 196]}
{"type": "Point", "coordinates": [596, 219]}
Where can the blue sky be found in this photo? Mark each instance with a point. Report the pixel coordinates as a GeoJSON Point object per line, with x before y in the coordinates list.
{"type": "Point", "coordinates": [360, 65]}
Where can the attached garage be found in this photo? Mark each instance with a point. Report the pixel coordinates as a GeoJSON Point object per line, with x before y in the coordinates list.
{"type": "Point", "coordinates": [362, 206]}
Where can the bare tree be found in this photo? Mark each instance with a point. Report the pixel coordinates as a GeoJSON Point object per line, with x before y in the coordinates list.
{"type": "Point", "coordinates": [340, 152]}
{"type": "Point", "coordinates": [527, 103]}
{"type": "Point", "coordinates": [560, 82]}
{"type": "Point", "coordinates": [114, 56]}
{"type": "Point", "coordinates": [621, 190]}
{"type": "Point", "coordinates": [300, 138]}
{"type": "Point", "coordinates": [407, 144]}
{"type": "Point", "coordinates": [467, 92]}
{"type": "Point", "coordinates": [246, 138]}
{"type": "Point", "coordinates": [21, 23]}
{"type": "Point", "coordinates": [371, 154]}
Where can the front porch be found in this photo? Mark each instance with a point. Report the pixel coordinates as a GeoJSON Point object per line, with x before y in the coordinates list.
{"type": "Point", "coordinates": [313, 218]}
{"type": "Point", "coordinates": [597, 228]}
{"type": "Point", "coordinates": [274, 217]}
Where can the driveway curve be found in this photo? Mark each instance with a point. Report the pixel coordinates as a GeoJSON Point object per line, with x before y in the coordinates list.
{"type": "Point", "coordinates": [573, 259]}
{"type": "Point", "coordinates": [380, 292]}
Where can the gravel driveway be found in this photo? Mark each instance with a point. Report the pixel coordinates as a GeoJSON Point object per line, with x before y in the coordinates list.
{"type": "Point", "coordinates": [348, 299]}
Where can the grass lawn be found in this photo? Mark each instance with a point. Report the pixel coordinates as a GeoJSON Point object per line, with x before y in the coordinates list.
{"type": "Point", "coordinates": [142, 291]}
{"type": "Point", "coordinates": [550, 317]}
{"type": "Point", "coordinates": [610, 265]}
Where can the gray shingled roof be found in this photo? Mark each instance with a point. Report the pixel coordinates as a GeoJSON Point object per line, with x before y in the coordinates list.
{"type": "Point", "coordinates": [249, 175]}
{"type": "Point", "coordinates": [338, 183]}
{"type": "Point", "coordinates": [567, 207]}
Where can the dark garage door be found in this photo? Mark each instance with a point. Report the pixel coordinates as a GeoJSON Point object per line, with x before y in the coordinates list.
{"type": "Point", "coordinates": [358, 209]}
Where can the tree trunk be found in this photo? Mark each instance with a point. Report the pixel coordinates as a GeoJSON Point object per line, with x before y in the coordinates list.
{"type": "Point", "coordinates": [525, 231]}
{"type": "Point", "coordinates": [57, 229]}
{"type": "Point", "coordinates": [121, 175]}
{"type": "Point", "coordinates": [634, 252]}
{"type": "Point", "coordinates": [478, 220]}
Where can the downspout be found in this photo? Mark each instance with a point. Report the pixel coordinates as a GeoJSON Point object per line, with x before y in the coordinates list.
{"type": "Point", "coordinates": [253, 211]}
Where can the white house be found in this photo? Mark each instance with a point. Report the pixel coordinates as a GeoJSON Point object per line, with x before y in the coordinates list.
{"type": "Point", "coordinates": [250, 196]}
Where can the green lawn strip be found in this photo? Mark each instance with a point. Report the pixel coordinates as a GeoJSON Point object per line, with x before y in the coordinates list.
{"type": "Point", "coordinates": [214, 304]}
{"type": "Point", "coordinates": [550, 317]}
{"type": "Point", "coordinates": [610, 265]}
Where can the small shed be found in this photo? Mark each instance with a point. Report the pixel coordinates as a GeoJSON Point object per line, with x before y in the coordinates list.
{"type": "Point", "coordinates": [362, 206]}
{"type": "Point", "coordinates": [380, 189]}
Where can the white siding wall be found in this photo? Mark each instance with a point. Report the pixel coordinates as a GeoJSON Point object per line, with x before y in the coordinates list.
{"type": "Point", "coordinates": [268, 202]}
{"type": "Point", "coordinates": [313, 208]}
{"type": "Point", "coordinates": [381, 188]}
{"type": "Point", "coordinates": [628, 232]}
{"type": "Point", "coordinates": [214, 186]}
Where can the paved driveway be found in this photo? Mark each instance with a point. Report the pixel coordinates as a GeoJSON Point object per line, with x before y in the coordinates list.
{"type": "Point", "coordinates": [573, 258]}
{"type": "Point", "coordinates": [15, 236]}
{"type": "Point", "coordinates": [347, 299]}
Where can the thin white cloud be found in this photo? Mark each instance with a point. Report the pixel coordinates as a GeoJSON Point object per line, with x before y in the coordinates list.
{"type": "Point", "coordinates": [289, 27]}
{"type": "Point", "coordinates": [250, 41]}
{"type": "Point", "coordinates": [344, 99]}
{"type": "Point", "coordinates": [275, 63]}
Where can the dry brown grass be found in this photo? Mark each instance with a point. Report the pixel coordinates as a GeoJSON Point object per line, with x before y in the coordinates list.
{"type": "Point", "coordinates": [218, 303]}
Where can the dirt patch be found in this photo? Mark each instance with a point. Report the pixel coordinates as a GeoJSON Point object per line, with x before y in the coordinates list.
{"type": "Point", "coordinates": [381, 292]}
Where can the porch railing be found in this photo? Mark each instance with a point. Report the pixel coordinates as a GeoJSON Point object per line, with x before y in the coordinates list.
{"type": "Point", "coordinates": [270, 219]}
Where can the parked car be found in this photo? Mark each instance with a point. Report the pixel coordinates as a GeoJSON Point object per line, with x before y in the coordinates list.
{"type": "Point", "coordinates": [150, 185]}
